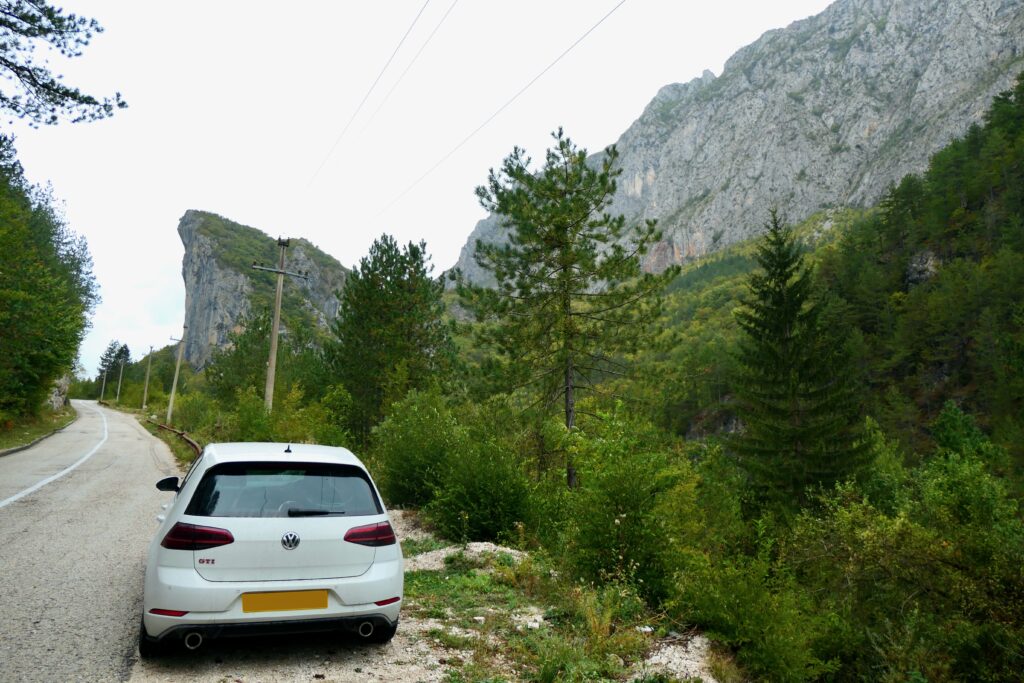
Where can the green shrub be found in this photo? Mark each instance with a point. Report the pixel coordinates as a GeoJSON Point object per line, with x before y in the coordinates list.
{"type": "Point", "coordinates": [195, 412]}
{"type": "Point", "coordinates": [934, 588]}
{"type": "Point", "coordinates": [635, 512]}
{"type": "Point", "coordinates": [483, 493]}
{"type": "Point", "coordinates": [249, 420]}
{"type": "Point", "coordinates": [957, 432]}
{"type": "Point", "coordinates": [412, 446]}
{"type": "Point", "coordinates": [749, 604]}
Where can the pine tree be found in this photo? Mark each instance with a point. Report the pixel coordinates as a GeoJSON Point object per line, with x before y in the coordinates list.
{"type": "Point", "coordinates": [390, 334]}
{"type": "Point", "coordinates": [795, 391]}
{"type": "Point", "coordinates": [570, 298]}
{"type": "Point", "coordinates": [110, 358]}
{"type": "Point", "coordinates": [28, 30]}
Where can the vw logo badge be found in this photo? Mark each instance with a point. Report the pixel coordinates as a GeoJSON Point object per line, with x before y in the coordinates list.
{"type": "Point", "coordinates": [290, 540]}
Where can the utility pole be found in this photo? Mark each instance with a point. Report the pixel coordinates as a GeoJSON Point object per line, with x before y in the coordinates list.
{"type": "Point", "coordinates": [120, 374]}
{"type": "Point", "coordinates": [145, 390]}
{"type": "Point", "coordinates": [268, 392]}
{"type": "Point", "coordinates": [104, 388]}
{"type": "Point", "coordinates": [177, 368]}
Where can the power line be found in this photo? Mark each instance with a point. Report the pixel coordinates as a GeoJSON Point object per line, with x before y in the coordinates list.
{"type": "Point", "coordinates": [368, 93]}
{"type": "Point", "coordinates": [502, 108]}
{"type": "Point", "coordinates": [415, 57]}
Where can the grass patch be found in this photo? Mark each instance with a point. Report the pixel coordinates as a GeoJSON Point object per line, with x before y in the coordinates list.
{"type": "Point", "coordinates": [23, 432]}
{"type": "Point", "coordinates": [587, 633]}
{"type": "Point", "coordinates": [182, 452]}
{"type": "Point", "coordinates": [459, 592]}
{"type": "Point", "coordinates": [418, 546]}
{"type": "Point", "coordinates": [452, 641]}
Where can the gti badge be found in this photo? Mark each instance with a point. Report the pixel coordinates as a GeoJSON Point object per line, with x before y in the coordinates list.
{"type": "Point", "coordinates": [290, 540]}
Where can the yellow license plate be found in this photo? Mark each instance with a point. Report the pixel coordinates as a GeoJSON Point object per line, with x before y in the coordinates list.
{"type": "Point", "coordinates": [284, 601]}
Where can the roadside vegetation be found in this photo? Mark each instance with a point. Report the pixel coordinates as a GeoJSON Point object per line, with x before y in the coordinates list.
{"type": "Point", "coordinates": [813, 453]}
{"type": "Point", "coordinates": [42, 424]}
{"type": "Point", "coordinates": [47, 289]}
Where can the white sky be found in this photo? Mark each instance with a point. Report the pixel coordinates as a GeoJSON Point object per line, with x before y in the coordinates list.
{"type": "Point", "coordinates": [233, 106]}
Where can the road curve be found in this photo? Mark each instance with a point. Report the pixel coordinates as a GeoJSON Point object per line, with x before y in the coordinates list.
{"type": "Point", "coordinates": [72, 551]}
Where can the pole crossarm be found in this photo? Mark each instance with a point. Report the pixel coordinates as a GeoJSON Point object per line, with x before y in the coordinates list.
{"type": "Point", "coordinates": [304, 276]}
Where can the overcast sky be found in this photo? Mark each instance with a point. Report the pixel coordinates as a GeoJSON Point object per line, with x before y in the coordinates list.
{"type": "Point", "coordinates": [234, 108]}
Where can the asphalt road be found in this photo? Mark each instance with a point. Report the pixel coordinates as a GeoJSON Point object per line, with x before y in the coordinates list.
{"type": "Point", "coordinates": [72, 551]}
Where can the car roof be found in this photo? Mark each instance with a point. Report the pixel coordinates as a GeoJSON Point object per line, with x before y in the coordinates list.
{"type": "Point", "coordinates": [216, 453]}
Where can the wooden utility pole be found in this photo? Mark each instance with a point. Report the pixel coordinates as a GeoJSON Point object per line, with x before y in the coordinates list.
{"type": "Point", "coordinates": [177, 368]}
{"type": "Point", "coordinates": [268, 392]}
{"type": "Point", "coordinates": [120, 374]}
{"type": "Point", "coordinates": [145, 389]}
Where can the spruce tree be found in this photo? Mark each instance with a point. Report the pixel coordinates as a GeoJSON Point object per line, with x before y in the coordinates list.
{"type": "Point", "coordinates": [795, 391]}
{"type": "Point", "coordinates": [570, 298]}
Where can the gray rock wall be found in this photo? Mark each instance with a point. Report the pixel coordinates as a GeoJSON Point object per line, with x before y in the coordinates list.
{"type": "Point", "coordinates": [826, 112]}
{"type": "Point", "coordinates": [219, 297]}
{"type": "Point", "coordinates": [216, 298]}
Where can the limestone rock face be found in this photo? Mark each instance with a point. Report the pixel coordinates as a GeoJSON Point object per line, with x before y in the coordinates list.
{"type": "Point", "coordinates": [221, 289]}
{"type": "Point", "coordinates": [824, 113]}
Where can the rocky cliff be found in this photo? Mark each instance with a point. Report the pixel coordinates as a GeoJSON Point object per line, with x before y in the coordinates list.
{"type": "Point", "coordinates": [221, 288]}
{"type": "Point", "coordinates": [824, 113]}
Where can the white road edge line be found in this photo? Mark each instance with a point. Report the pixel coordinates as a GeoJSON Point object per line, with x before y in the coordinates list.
{"type": "Point", "coordinates": [35, 487]}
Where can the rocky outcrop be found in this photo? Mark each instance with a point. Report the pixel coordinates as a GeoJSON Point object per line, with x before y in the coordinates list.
{"type": "Point", "coordinates": [221, 290]}
{"type": "Point", "coordinates": [215, 297]}
{"type": "Point", "coordinates": [58, 397]}
{"type": "Point", "coordinates": [824, 113]}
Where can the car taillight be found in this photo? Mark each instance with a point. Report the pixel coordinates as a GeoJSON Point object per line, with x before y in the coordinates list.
{"type": "Point", "coordinates": [377, 534]}
{"type": "Point", "coordinates": [184, 536]}
{"type": "Point", "coordinates": [389, 601]}
{"type": "Point", "coordinates": [168, 612]}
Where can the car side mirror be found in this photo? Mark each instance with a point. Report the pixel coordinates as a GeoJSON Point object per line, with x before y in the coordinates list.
{"type": "Point", "coordinates": [168, 484]}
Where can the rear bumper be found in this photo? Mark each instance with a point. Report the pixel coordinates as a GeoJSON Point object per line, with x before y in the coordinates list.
{"type": "Point", "coordinates": [349, 624]}
{"type": "Point", "coordinates": [214, 606]}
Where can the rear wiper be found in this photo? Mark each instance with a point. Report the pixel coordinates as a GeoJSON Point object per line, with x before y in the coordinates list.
{"type": "Point", "coordinates": [312, 512]}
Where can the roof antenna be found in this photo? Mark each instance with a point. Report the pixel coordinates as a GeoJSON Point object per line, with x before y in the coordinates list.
{"type": "Point", "coordinates": [288, 448]}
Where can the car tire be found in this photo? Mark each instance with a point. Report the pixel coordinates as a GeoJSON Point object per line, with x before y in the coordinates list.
{"type": "Point", "coordinates": [148, 649]}
{"type": "Point", "coordinates": [381, 636]}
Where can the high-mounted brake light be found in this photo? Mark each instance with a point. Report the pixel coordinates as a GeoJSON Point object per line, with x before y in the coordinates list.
{"type": "Point", "coordinates": [184, 536]}
{"type": "Point", "coordinates": [373, 535]}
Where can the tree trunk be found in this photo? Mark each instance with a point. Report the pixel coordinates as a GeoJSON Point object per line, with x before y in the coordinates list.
{"type": "Point", "coordinates": [570, 420]}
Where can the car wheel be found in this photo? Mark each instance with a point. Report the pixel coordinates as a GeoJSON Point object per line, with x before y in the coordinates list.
{"type": "Point", "coordinates": [382, 635]}
{"type": "Point", "coordinates": [148, 649]}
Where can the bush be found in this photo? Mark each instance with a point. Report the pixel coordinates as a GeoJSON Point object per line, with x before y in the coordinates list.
{"type": "Point", "coordinates": [249, 421]}
{"type": "Point", "coordinates": [412, 447]}
{"type": "Point", "coordinates": [933, 588]}
{"type": "Point", "coordinates": [483, 493]}
{"type": "Point", "coordinates": [635, 512]}
{"type": "Point", "coordinates": [747, 603]}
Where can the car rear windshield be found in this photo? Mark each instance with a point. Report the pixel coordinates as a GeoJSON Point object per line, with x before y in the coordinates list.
{"type": "Point", "coordinates": [283, 490]}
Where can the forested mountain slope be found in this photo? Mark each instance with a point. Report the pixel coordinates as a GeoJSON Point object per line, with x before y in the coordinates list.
{"type": "Point", "coordinates": [929, 283]}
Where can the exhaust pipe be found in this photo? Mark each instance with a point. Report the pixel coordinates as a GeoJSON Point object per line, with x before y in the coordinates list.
{"type": "Point", "coordinates": [194, 640]}
{"type": "Point", "coordinates": [366, 629]}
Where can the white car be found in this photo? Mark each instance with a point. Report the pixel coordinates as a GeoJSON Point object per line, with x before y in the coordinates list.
{"type": "Point", "coordinates": [269, 538]}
